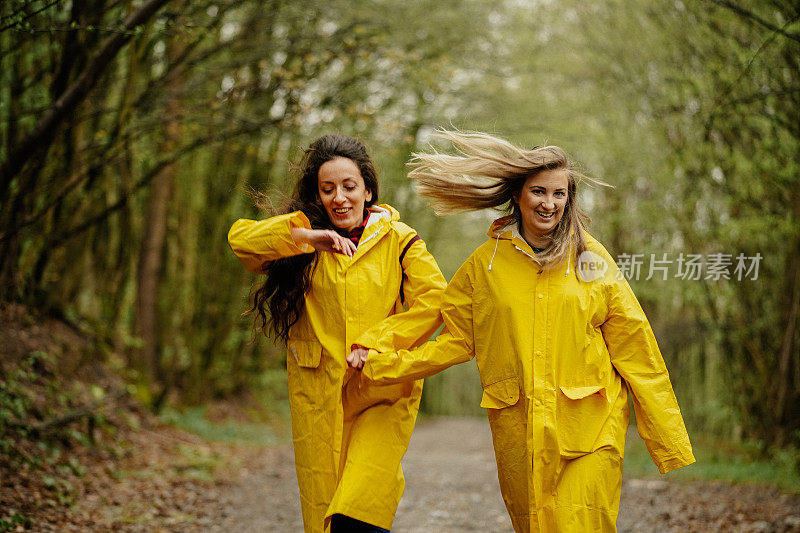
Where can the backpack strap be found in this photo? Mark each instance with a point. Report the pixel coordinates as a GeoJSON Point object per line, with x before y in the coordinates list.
{"type": "Point", "coordinates": [414, 239]}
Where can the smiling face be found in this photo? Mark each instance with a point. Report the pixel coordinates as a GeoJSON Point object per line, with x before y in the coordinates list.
{"type": "Point", "coordinates": [541, 203]}
{"type": "Point", "coordinates": [342, 192]}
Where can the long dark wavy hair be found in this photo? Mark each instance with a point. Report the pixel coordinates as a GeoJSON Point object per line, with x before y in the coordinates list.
{"type": "Point", "coordinates": [278, 303]}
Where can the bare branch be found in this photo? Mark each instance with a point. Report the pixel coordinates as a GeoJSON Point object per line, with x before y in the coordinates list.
{"type": "Point", "coordinates": [28, 16]}
{"type": "Point", "coordinates": [77, 414]}
{"type": "Point", "coordinates": [151, 174]}
{"type": "Point", "coordinates": [36, 141]}
{"type": "Point", "coordinates": [752, 16]}
{"type": "Point", "coordinates": [731, 101]}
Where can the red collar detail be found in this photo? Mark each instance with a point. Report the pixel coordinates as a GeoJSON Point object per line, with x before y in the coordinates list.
{"type": "Point", "coordinates": [356, 233]}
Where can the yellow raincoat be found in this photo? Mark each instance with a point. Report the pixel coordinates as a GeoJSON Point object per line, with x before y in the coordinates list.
{"type": "Point", "coordinates": [349, 435]}
{"type": "Point", "coordinates": [557, 356]}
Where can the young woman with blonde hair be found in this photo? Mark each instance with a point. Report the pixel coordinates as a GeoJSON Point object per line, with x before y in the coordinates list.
{"type": "Point", "coordinates": [559, 338]}
{"type": "Point", "coordinates": [342, 271]}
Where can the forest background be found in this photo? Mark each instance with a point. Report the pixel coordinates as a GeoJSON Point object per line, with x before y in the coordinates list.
{"type": "Point", "coordinates": [132, 131]}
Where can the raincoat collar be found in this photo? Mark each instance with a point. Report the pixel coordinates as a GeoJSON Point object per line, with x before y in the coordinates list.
{"type": "Point", "coordinates": [505, 228]}
{"type": "Point", "coordinates": [355, 233]}
{"type": "Point", "coordinates": [377, 215]}
{"type": "Point", "coordinates": [382, 211]}
{"type": "Point", "coordinates": [501, 228]}
{"type": "Point", "coordinates": [378, 223]}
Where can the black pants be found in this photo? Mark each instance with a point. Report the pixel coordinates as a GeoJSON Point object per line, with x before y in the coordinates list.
{"type": "Point", "coordinates": [344, 524]}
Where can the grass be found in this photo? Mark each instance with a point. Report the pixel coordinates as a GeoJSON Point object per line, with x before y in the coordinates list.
{"type": "Point", "coordinates": [716, 461]}
{"type": "Point", "coordinates": [194, 421]}
{"type": "Point", "coordinates": [261, 418]}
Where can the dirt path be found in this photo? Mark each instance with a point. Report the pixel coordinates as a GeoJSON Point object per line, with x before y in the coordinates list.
{"type": "Point", "coordinates": [451, 486]}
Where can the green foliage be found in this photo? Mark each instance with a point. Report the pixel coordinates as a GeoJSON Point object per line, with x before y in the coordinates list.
{"type": "Point", "coordinates": [199, 463]}
{"type": "Point", "coordinates": [17, 401]}
{"type": "Point", "coordinates": [721, 461]}
{"type": "Point", "coordinates": [33, 399]}
{"type": "Point", "coordinates": [14, 521]}
{"type": "Point", "coordinates": [454, 392]}
{"type": "Point", "coordinates": [61, 490]}
{"type": "Point", "coordinates": [194, 420]}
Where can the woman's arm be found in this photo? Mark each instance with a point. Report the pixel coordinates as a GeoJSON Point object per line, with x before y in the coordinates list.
{"type": "Point", "coordinates": [454, 345]}
{"type": "Point", "coordinates": [635, 355]}
{"type": "Point", "coordinates": [256, 242]}
{"type": "Point", "coordinates": [423, 286]}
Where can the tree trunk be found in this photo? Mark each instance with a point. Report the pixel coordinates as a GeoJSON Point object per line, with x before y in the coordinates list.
{"type": "Point", "coordinates": [9, 249]}
{"type": "Point", "coordinates": [154, 237]}
{"type": "Point", "coordinates": [122, 266]}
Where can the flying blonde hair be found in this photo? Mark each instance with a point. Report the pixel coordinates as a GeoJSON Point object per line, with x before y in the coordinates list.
{"type": "Point", "coordinates": [487, 172]}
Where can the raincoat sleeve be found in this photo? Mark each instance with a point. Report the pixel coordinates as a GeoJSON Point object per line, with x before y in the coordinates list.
{"type": "Point", "coordinates": [256, 242]}
{"type": "Point", "coordinates": [635, 355]}
{"type": "Point", "coordinates": [423, 286]}
{"type": "Point", "coordinates": [454, 345]}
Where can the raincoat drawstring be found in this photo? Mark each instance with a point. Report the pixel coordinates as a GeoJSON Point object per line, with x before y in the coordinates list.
{"type": "Point", "coordinates": [569, 258]}
{"type": "Point", "coordinates": [496, 242]}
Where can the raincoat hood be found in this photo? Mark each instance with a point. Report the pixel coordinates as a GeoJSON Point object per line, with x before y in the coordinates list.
{"type": "Point", "coordinates": [502, 228]}
{"type": "Point", "coordinates": [380, 216]}
{"type": "Point", "coordinates": [382, 211]}
{"type": "Point", "coordinates": [506, 229]}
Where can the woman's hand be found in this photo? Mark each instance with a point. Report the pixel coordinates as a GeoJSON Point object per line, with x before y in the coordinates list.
{"type": "Point", "coordinates": [357, 357]}
{"type": "Point", "coordinates": [324, 240]}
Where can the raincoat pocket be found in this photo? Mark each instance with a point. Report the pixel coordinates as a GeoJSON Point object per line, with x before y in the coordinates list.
{"type": "Point", "coordinates": [581, 414]}
{"type": "Point", "coordinates": [306, 353]}
{"type": "Point", "coordinates": [500, 394]}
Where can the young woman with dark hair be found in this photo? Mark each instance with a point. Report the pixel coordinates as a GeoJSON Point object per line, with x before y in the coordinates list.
{"type": "Point", "coordinates": [343, 272]}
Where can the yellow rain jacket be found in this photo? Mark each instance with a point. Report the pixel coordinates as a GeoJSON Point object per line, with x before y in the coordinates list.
{"type": "Point", "coordinates": [349, 435]}
{"type": "Point", "coordinates": [557, 356]}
